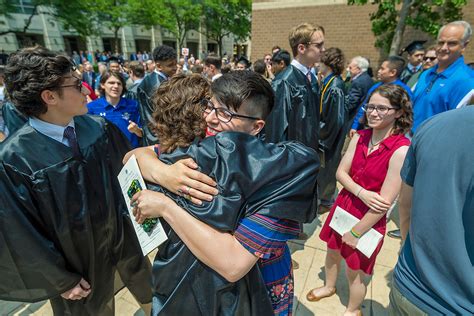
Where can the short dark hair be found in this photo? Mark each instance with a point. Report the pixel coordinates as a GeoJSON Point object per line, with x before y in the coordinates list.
{"type": "Point", "coordinates": [397, 63]}
{"type": "Point", "coordinates": [32, 70]}
{"type": "Point", "coordinates": [334, 59]}
{"type": "Point", "coordinates": [236, 87]}
{"type": "Point", "coordinates": [164, 52]}
{"type": "Point", "coordinates": [214, 60]}
{"type": "Point", "coordinates": [137, 69]}
{"type": "Point", "coordinates": [282, 55]}
{"type": "Point", "coordinates": [106, 77]}
{"type": "Point", "coordinates": [259, 66]}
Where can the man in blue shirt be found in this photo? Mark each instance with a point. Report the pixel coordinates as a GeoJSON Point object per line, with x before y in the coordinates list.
{"type": "Point", "coordinates": [389, 72]}
{"type": "Point", "coordinates": [448, 85]}
{"type": "Point", "coordinates": [120, 111]}
{"type": "Point", "coordinates": [435, 273]}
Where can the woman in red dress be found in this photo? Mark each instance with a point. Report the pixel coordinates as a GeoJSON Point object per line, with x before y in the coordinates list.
{"type": "Point", "coordinates": [370, 175]}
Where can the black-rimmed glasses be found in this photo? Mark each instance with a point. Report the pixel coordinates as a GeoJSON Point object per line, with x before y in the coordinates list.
{"type": "Point", "coordinates": [77, 85]}
{"type": "Point", "coordinates": [319, 45]}
{"type": "Point", "coordinates": [224, 115]}
{"type": "Point", "coordinates": [382, 110]}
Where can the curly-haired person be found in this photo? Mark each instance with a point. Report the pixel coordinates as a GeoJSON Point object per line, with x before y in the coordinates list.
{"type": "Point", "coordinates": [370, 175]}
{"type": "Point", "coordinates": [65, 229]}
{"type": "Point", "coordinates": [265, 190]}
{"type": "Point", "coordinates": [333, 116]}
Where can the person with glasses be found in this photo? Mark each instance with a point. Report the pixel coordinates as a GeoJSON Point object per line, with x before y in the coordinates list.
{"type": "Point", "coordinates": [429, 60]}
{"type": "Point", "coordinates": [370, 175]}
{"type": "Point", "coordinates": [66, 233]}
{"type": "Point", "coordinates": [388, 73]}
{"type": "Point", "coordinates": [242, 264]}
{"type": "Point", "coordinates": [448, 85]}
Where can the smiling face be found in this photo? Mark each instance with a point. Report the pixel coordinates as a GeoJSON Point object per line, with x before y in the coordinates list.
{"type": "Point", "coordinates": [237, 124]}
{"type": "Point", "coordinates": [112, 87]}
{"type": "Point", "coordinates": [168, 67]}
{"type": "Point", "coordinates": [430, 59]}
{"type": "Point", "coordinates": [450, 46]}
{"type": "Point", "coordinates": [380, 121]}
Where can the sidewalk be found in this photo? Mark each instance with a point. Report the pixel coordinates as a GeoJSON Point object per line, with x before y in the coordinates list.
{"type": "Point", "coordinates": [310, 255]}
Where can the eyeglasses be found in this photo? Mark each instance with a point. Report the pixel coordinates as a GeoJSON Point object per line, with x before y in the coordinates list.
{"type": "Point", "coordinates": [426, 58]}
{"type": "Point", "coordinates": [77, 85]}
{"type": "Point", "coordinates": [382, 110]}
{"type": "Point", "coordinates": [223, 114]}
{"type": "Point", "coordinates": [319, 45]}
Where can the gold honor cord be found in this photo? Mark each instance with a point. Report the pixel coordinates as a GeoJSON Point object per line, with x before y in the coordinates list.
{"type": "Point", "coordinates": [322, 95]}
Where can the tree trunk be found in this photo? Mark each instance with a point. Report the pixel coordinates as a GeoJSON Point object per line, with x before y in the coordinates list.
{"type": "Point", "coordinates": [219, 46]}
{"type": "Point", "coordinates": [400, 29]}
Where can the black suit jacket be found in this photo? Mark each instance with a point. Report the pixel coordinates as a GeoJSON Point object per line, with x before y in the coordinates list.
{"type": "Point", "coordinates": [89, 77]}
{"type": "Point", "coordinates": [357, 93]}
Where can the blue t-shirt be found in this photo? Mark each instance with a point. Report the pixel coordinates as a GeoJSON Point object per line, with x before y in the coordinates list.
{"type": "Point", "coordinates": [126, 110]}
{"type": "Point", "coordinates": [356, 124]}
{"type": "Point", "coordinates": [435, 269]}
{"type": "Point", "coordinates": [440, 92]}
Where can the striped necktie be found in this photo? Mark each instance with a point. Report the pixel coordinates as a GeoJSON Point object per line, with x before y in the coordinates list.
{"type": "Point", "coordinates": [70, 135]}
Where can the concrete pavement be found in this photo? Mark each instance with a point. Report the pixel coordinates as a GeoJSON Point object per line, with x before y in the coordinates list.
{"type": "Point", "coordinates": [310, 255]}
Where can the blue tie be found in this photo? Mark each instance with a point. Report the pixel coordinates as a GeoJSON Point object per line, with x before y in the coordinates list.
{"type": "Point", "coordinates": [70, 135]}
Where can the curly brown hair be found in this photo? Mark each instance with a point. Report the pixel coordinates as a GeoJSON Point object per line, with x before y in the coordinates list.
{"type": "Point", "coordinates": [334, 59]}
{"type": "Point", "coordinates": [399, 99]}
{"type": "Point", "coordinates": [178, 116]}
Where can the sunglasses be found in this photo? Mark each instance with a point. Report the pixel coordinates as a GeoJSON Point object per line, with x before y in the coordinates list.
{"type": "Point", "coordinates": [429, 58]}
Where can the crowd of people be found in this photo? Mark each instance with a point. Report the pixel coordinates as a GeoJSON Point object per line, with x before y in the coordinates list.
{"type": "Point", "coordinates": [237, 156]}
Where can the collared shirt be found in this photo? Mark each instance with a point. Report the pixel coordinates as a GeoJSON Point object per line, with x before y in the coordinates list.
{"type": "Point", "coordinates": [300, 67]}
{"type": "Point", "coordinates": [161, 74]}
{"type": "Point", "coordinates": [439, 92]}
{"type": "Point", "coordinates": [53, 131]}
{"type": "Point", "coordinates": [414, 69]}
{"type": "Point", "coordinates": [356, 123]}
{"type": "Point", "coordinates": [120, 115]}
{"type": "Point", "coordinates": [216, 76]}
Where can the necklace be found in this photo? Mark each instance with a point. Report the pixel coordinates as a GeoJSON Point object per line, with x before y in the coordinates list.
{"type": "Point", "coordinates": [373, 145]}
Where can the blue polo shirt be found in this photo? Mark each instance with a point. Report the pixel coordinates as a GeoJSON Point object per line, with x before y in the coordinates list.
{"type": "Point", "coordinates": [440, 92]}
{"type": "Point", "coordinates": [126, 110]}
{"type": "Point", "coordinates": [356, 124]}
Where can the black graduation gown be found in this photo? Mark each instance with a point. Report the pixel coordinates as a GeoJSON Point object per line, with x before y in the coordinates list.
{"type": "Point", "coordinates": [331, 135]}
{"type": "Point", "coordinates": [64, 218]}
{"type": "Point", "coordinates": [145, 92]}
{"type": "Point", "coordinates": [13, 118]}
{"type": "Point", "coordinates": [273, 180]}
{"type": "Point", "coordinates": [295, 115]}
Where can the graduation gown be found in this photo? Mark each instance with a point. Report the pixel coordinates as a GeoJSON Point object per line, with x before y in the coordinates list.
{"type": "Point", "coordinates": [295, 115]}
{"type": "Point", "coordinates": [145, 92]}
{"type": "Point", "coordinates": [13, 118]}
{"type": "Point", "coordinates": [273, 180]}
{"type": "Point", "coordinates": [63, 218]}
{"type": "Point", "coordinates": [331, 134]}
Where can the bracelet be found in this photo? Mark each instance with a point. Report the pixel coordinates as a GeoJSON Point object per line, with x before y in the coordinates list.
{"type": "Point", "coordinates": [360, 190]}
{"type": "Point", "coordinates": [353, 233]}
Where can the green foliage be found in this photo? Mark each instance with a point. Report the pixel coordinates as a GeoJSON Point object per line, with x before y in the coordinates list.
{"type": "Point", "coordinates": [425, 15]}
{"type": "Point", "coordinates": [86, 17]}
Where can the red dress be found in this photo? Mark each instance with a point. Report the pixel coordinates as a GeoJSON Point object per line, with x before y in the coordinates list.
{"type": "Point", "coordinates": [369, 171]}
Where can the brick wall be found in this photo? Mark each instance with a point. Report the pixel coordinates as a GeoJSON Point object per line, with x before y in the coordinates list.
{"type": "Point", "coordinates": [347, 27]}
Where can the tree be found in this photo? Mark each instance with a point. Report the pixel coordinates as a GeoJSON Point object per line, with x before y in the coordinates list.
{"type": "Point", "coordinates": [113, 14]}
{"type": "Point", "coordinates": [222, 18]}
{"type": "Point", "coordinates": [390, 19]}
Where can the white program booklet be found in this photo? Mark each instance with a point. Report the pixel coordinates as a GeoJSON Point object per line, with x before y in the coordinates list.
{"type": "Point", "coordinates": [131, 181]}
{"type": "Point", "coordinates": [342, 222]}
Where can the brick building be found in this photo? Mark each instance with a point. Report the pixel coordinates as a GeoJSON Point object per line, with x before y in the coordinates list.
{"type": "Point", "coordinates": [347, 27]}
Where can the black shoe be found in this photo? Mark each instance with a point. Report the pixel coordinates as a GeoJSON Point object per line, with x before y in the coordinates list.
{"type": "Point", "coordinates": [395, 234]}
